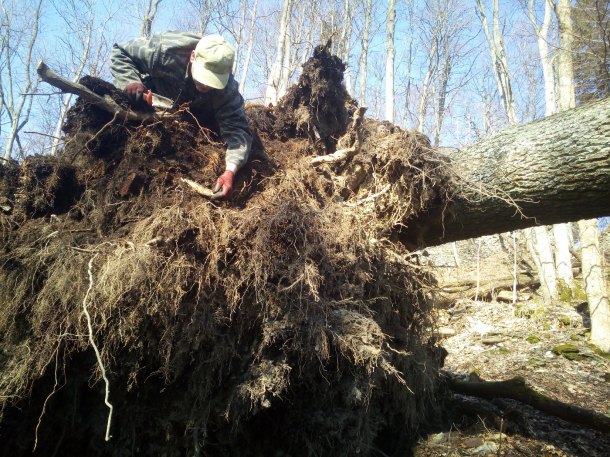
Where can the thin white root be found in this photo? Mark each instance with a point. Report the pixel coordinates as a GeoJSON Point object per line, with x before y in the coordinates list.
{"type": "Point", "coordinates": [46, 400]}
{"type": "Point", "coordinates": [96, 350]}
{"type": "Point", "coordinates": [201, 190]}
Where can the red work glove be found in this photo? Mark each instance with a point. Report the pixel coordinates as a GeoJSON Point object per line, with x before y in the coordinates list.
{"type": "Point", "coordinates": [224, 185]}
{"type": "Point", "coordinates": [135, 91]}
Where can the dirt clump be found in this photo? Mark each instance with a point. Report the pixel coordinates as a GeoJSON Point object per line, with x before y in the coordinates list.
{"type": "Point", "coordinates": [279, 322]}
{"type": "Point", "coordinates": [318, 106]}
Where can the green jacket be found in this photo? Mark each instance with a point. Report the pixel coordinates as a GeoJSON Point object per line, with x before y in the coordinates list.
{"type": "Point", "coordinates": [161, 63]}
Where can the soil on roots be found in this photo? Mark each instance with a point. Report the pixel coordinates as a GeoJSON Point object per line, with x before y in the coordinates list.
{"type": "Point", "coordinates": [279, 322]}
{"type": "Point", "coordinates": [318, 106]}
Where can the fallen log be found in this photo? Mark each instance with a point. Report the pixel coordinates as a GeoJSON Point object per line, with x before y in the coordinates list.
{"type": "Point", "coordinates": [545, 172]}
{"type": "Point", "coordinates": [517, 389]}
{"type": "Point", "coordinates": [486, 289]}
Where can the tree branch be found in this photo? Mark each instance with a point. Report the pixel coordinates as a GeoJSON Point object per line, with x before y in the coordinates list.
{"type": "Point", "coordinates": [104, 103]}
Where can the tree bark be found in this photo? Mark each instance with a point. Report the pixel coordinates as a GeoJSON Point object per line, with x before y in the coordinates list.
{"type": "Point", "coordinates": [595, 285]}
{"type": "Point", "coordinates": [563, 258]}
{"type": "Point", "coordinates": [555, 169]}
{"type": "Point", "coordinates": [548, 278]}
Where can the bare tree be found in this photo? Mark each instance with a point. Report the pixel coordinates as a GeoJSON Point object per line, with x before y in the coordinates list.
{"type": "Point", "coordinates": [278, 70]}
{"type": "Point", "coordinates": [17, 96]}
{"type": "Point", "coordinates": [544, 252]}
{"type": "Point", "coordinates": [389, 65]}
{"type": "Point", "coordinates": [430, 36]}
{"type": "Point", "coordinates": [368, 14]}
{"type": "Point", "coordinates": [149, 17]}
{"type": "Point", "coordinates": [451, 48]}
{"type": "Point", "coordinates": [563, 257]}
{"type": "Point", "coordinates": [542, 37]}
{"type": "Point", "coordinates": [498, 58]}
{"type": "Point", "coordinates": [344, 43]}
{"type": "Point", "coordinates": [409, 63]}
{"type": "Point", "coordinates": [592, 49]}
{"type": "Point", "coordinates": [201, 14]}
{"type": "Point", "coordinates": [77, 47]}
{"type": "Point", "coordinates": [246, 66]}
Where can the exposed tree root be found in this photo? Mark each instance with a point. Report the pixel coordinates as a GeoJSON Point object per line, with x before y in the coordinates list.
{"type": "Point", "coordinates": [96, 350]}
{"type": "Point", "coordinates": [517, 389]}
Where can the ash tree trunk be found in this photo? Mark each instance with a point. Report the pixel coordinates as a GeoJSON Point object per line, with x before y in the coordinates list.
{"type": "Point", "coordinates": [549, 171]}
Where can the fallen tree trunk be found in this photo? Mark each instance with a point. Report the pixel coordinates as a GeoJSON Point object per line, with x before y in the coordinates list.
{"type": "Point", "coordinates": [517, 389]}
{"type": "Point", "coordinates": [549, 171]}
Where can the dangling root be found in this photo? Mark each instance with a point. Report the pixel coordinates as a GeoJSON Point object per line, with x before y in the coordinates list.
{"type": "Point", "coordinates": [96, 350]}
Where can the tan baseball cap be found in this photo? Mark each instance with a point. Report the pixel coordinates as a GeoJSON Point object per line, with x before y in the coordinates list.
{"type": "Point", "coordinates": [213, 61]}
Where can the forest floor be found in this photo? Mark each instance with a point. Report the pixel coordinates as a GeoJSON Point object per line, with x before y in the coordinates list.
{"type": "Point", "coordinates": [498, 341]}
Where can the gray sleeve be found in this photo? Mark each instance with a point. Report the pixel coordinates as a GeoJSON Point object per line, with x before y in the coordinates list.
{"type": "Point", "coordinates": [233, 124]}
{"type": "Point", "coordinates": [132, 61]}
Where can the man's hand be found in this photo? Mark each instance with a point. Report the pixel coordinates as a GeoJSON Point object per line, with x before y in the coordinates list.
{"type": "Point", "coordinates": [224, 185]}
{"type": "Point", "coordinates": [135, 91]}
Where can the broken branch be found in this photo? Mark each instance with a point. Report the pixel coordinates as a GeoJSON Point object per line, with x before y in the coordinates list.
{"type": "Point", "coordinates": [104, 103]}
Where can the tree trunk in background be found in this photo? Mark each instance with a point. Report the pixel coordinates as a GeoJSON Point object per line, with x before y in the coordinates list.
{"type": "Point", "coordinates": [548, 278]}
{"type": "Point", "coordinates": [556, 169]}
{"type": "Point", "coordinates": [275, 76]}
{"type": "Point", "coordinates": [246, 66]}
{"type": "Point", "coordinates": [389, 65]}
{"type": "Point", "coordinates": [149, 17]}
{"type": "Point", "coordinates": [425, 90]}
{"type": "Point", "coordinates": [368, 13]}
{"type": "Point", "coordinates": [566, 98]}
{"type": "Point", "coordinates": [542, 32]}
{"type": "Point", "coordinates": [442, 95]}
{"type": "Point", "coordinates": [595, 284]}
{"type": "Point", "coordinates": [530, 242]}
{"type": "Point", "coordinates": [563, 258]}
{"type": "Point", "coordinates": [498, 58]}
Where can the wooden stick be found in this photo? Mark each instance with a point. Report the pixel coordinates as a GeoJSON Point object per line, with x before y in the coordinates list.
{"type": "Point", "coordinates": [104, 103]}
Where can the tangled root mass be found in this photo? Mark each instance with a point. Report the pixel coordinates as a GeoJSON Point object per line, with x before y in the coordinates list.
{"type": "Point", "coordinates": [279, 323]}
